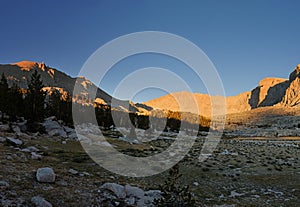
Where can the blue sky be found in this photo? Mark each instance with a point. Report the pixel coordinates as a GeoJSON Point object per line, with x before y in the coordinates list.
{"type": "Point", "coordinates": [246, 40]}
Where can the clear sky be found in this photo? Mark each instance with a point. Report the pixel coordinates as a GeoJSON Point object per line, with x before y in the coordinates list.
{"type": "Point", "coordinates": [246, 40]}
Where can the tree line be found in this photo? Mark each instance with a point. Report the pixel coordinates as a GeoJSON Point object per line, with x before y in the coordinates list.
{"type": "Point", "coordinates": [34, 104]}
{"type": "Point", "coordinates": [31, 103]}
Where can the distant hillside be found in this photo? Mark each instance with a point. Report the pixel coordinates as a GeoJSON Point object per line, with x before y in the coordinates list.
{"type": "Point", "coordinates": [19, 73]}
{"type": "Point", "coordinates": [269, 92]}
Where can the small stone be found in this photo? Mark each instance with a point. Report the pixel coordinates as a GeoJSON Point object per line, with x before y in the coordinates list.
{"type": "Point", "coordinates": [62, 183]}
{"type": "Point", "coordinates": [40, 202]}
{"type": "Point", "coordinates": [45, 175]}
{"type": "Point", "coordinates": [64, 142]}
{"type": "Point", "coordinates": [86, 174]}
{"type": "Point", "coordinates": [13, 141]}
{"type": "Point", "coordinates": [72, 171]}
{"type": "Point", "coordinates": [36, 156]}
{"type": "Point", "coordinates": [4, 184]}
{"type": "Point", "coordinates": [4, 128]}
{"type": "Point", "coordinates": [30, 149]}
{"type": "Point", "coordinates": [2, 139]}
{"type": "Point", "coordinates": [16, 129]}
{"type": "Point", "coordinates": [234, 194]}
{"type": "Point", "coordinates": [195, 183]}
{"type": "Point", "coordinates": [8, 157]}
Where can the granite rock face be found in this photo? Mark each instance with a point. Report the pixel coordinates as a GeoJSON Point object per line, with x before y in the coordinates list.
{"type": "Point", "coordinates": [269, 92]}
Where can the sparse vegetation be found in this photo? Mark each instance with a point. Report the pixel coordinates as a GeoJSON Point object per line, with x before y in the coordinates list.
{"type": "Point", "coordinates": [175, 193]}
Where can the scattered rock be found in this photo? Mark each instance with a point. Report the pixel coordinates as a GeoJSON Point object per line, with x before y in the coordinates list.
{"type": "Point", "coordinates": [57, 132]}
{"type": "Point", "coordinates": [72, 135]}
{"type": "Point", "coordinates": [23, 126]}
{"type": "Point", "coordinates": [4, 128]}
{"type": "Point", "coordinates": [2, 139]}
{"type": "Point", "coordinates": [16, 129]}
{"type": "Point", "coordinates": [117, 189]}
{"type": "Point", "coordinates": [30, 149]}
{"type": "Point", "coordinates": [72, 171]}
{"type": "Point", "coordinates": [13, 141]}
{"type": "Point", "coordinates": [234, 194]}
{"type": "Point", "coordinates": [68, 129]}
{"type": "Point", "coordinates": [36, 156]}
{"type": "Point", "coordinates": [226, 152]}
{"type": "Point", "coordinates": [45, 175]}
{"type": "Point", "coordinates": [40, 202]}
{"type": "Point", "coordinates": [53, 128]}
{"type": "Point", "coordinates": [4, 184]}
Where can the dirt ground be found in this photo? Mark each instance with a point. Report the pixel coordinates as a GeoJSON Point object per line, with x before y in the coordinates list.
{"type": "Point", "coordinates": [240, 172]}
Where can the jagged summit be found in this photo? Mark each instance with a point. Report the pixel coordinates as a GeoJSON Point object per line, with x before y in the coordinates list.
{"type": "Point", "coordinates": [295, 73]}
{"type": "Point", "coordinates": [28, 65]}
{"type": "Point", "coordinates": [19, 73]}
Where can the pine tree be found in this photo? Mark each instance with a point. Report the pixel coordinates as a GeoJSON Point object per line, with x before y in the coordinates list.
{"type": "Point", "coordinates": [15, 102]}
{"type": "Point", "coordinates": [66, 109]}
{"type": "Point", "coordinates": [35, 99]}
{"type": "Point", "coordinates": [54, 104]}
{"type": "Point", "coordinates": [3, 95]}
{"type": "Point", "coordinates": [60, 106]}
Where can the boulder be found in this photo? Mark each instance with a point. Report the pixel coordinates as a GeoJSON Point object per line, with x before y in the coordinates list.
{"type": "Point", "coordinates": [68, 129]}
{"type": "Point", "coordinates": [72, 135]}
{"type": "Point", "coordinates": [58, 132]}
{"type": "Point", "coordinates": [45, 175]}
{"type": "Point", "coordinates": [134, 191]}
{"type": "Point", "coordinates": [149, 197]}
{"type": "Point", "coordinates": [117, 189]}
{"type": "Point", "coordinates": [53, 128]}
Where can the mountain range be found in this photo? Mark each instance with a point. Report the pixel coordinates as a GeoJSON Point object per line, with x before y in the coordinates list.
{"type": "Point", "coordinates": [270, 92]}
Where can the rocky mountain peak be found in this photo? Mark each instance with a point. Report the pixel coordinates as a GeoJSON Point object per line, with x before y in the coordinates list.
{"type": "Point", "coordinates": [295, 73]}
{"type": "Point", "coordinates": [29, 65]}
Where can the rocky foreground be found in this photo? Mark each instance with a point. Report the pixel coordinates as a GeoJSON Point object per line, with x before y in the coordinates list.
{"type": "Point", "coordinates": [53, 170]}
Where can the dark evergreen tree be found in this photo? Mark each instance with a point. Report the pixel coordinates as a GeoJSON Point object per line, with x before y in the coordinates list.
{"type": "Point", "coordinates": [35, 99]}
{"type": "Point", "coordinates": [15, 102]}
{"type": "Point", "coordinates": [59, 105]}
{"type": "Point", "coordinates": [53, 107]}
{"type": "Point", "coordinates": [66, 109]}
{"type": "Point", "coordinates": [3, 95]}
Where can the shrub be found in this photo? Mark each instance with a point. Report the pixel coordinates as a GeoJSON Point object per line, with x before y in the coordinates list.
{"type": "Point", "coordinates": [174, 193]}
